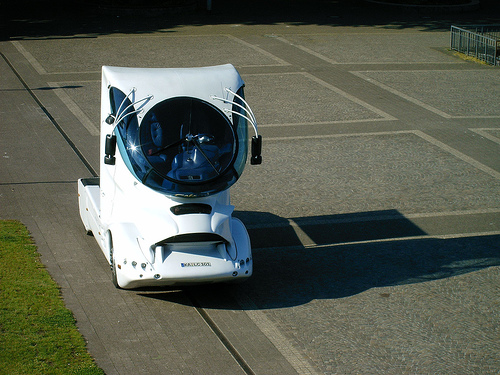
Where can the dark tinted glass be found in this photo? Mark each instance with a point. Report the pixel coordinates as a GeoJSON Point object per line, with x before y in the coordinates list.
{"type": "Point", "coordinates": [183, 145]}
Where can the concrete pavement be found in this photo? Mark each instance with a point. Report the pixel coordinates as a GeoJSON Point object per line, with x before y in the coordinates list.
{"type": "Point", "coordinates": [375, 217]}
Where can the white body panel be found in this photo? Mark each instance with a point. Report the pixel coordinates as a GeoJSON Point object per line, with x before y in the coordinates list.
{"type": "Point", "coordinates": [144, 241]}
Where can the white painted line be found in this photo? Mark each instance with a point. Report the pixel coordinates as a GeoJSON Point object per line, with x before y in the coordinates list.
{"type": "Point", "coordinates": [453, 213]}
{"type": "Point", "coordinates": [404, 96]}
{"type": "Point", "coordinates": [269, 329]}
{"type": "Point", "coordinates": [479, 117]}
{"type": "Point", "coordinates": [352, 98]}
{"type": "Point", "coordinates": [458, 154]}
{"type": "Point", "coordinates": [384, 116]}
{"type": "Point", "coordinates": [410, 238]}
{"type": "Point", "coordinates": [77, 72]}
{"type": "Point", "coordinates": [28, 56]}
{"type": "Point", "coordinates": [309, 51]}
{"type": "Point", "coordinates": [300, 233]}
{"type": "Point", "coordinates": [334, 62]}
{"type": "Point", "coordinates": [418, 133]}
{"type": "Point", "coordinates": [324, 123]}
{"type": "Point", "coordinates": [259, 50]}
{"type": "Point", "coordinates": [75, 109]}
{"type": "Point", "coordinates": [370, 217]}
{"type": "Point", "coordinates": [325, 136]}
{"type": "Point", "coordinates": [384, 240]}
{"type": "Point", "coordinates": [404, 63]}
{"type": "Point", "coordinates": [483, 133]}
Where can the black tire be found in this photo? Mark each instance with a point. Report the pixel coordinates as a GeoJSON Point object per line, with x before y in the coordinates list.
{"type": "Point", "coordinates": [112, 263]}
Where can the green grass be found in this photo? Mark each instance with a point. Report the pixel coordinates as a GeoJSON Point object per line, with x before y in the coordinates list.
{"type": "Point", "coordinates": [38, 334]}
{"type": "Point", "coordinates": [465, 57]}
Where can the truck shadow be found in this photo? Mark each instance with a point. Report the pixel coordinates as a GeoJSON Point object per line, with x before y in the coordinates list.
{"type": "Point", "coordinates": [353, 253]}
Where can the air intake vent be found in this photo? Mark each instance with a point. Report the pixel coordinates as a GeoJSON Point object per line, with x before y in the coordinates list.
{"type": "Point", "coordinates": [191, 208]}
{"type": "Point", "coordinates": [192, 237]}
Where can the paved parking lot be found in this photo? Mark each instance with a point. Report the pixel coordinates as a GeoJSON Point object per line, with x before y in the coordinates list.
{"type": "Point", "coordinates": [375, 217]}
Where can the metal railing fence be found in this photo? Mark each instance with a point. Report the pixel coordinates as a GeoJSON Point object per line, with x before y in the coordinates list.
{"type": "Point", "coordinates": [481, 42]}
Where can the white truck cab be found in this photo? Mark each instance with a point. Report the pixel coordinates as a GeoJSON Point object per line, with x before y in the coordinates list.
{"type": "Point", "coordinates": [173, 141]}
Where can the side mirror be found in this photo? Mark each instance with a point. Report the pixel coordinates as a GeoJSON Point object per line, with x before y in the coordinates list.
{"type": "Point", "coordinates": [110, 149]}
{"type": "Point", "coordinates": [256, 150]}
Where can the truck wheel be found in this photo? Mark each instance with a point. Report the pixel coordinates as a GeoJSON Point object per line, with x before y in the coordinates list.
{"type": "Point", "coordinates": [112, 263]}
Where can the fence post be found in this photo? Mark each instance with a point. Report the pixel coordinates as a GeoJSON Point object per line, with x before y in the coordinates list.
{"type": "Point", "coordinates": [479, 41]}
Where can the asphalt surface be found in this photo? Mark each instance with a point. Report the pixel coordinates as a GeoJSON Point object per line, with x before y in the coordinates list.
{"type": "Point", "coordinates": [374, 218]}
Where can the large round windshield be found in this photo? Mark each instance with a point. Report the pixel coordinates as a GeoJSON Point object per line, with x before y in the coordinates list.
{"type": "Point", "coordinates": [183, 146]}
{"type": "Point", "coordinates": [187, 140]}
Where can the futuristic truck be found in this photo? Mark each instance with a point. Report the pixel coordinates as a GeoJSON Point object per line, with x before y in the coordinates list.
{"type": "Point", "coordinates": [173, 141]}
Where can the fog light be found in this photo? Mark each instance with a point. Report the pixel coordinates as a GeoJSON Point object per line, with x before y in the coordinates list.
{"type": "Point", "coordinates": [157, 276]}
{"type": "Point", "coordinates": [134, 263]}
{"type": "Point", "coordinates": [143, 265]}
{"type": "Point", "coordinates": [235, 273]}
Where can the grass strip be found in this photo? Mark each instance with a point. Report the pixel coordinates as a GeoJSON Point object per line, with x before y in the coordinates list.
{"type": "Point", "coordinates": [38, 334]}
{"type": "Point", "coordinates": [466, 57]}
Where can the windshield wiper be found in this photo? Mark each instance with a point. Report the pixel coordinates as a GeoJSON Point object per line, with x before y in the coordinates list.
{"type": "Point", "coordinates": [163, 149]}
{"type": "Point", "coordinates": [122, 114]}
